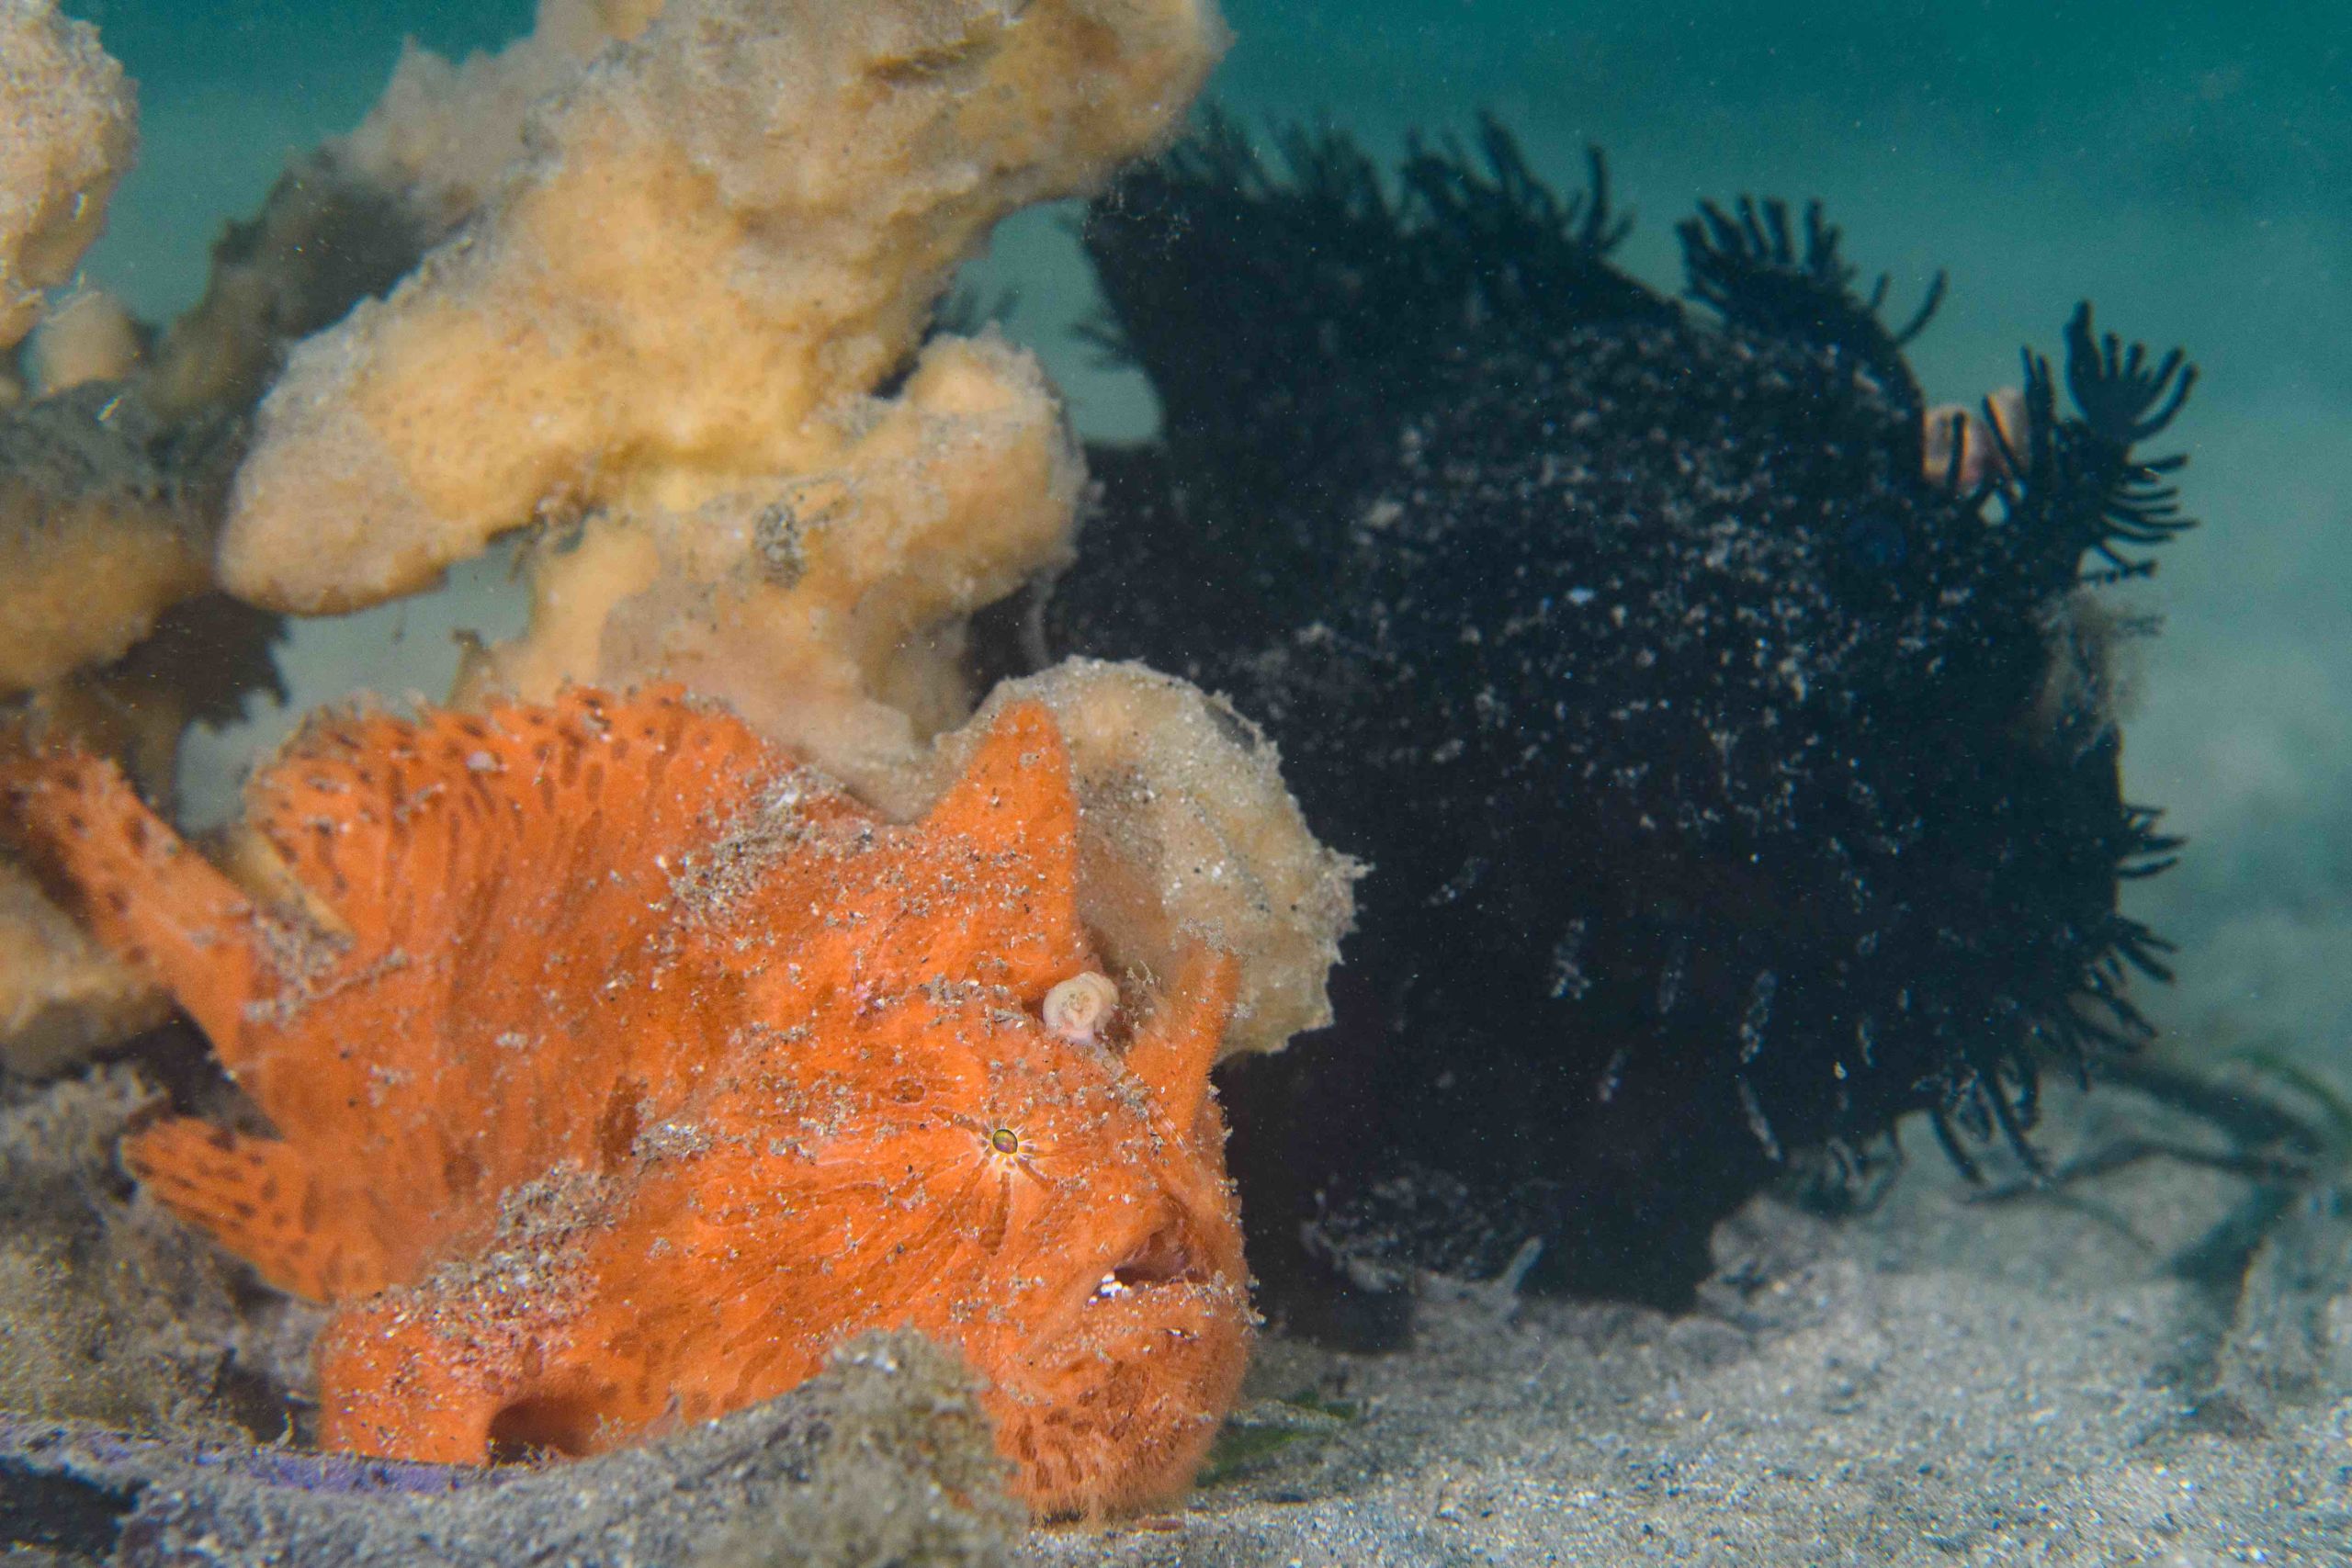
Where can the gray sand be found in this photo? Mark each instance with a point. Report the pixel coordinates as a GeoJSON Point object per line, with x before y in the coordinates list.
{"type": "Point", "coordinates": [2146, 1360]}
{"type": "Point", "coordinates": [2076, 1375]}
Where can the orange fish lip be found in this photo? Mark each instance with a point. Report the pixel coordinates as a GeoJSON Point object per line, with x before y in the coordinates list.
{"type": "Point", "coordinates": [1161, 1279]}
{"type": "Point", "coordinates": [1163, 1257]}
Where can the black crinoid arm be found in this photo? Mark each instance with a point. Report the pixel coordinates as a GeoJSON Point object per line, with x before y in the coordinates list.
{"type": "Point", "coordinates": [1732, 791]}
{"type": "Point", "coordinates": [2081, 487]}
{"type": "Point", "coordinates": [1748, 266]}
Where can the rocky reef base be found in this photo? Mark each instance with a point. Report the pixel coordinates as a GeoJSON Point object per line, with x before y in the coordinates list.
{"type": "Point", "coordinates": [883, 1459]}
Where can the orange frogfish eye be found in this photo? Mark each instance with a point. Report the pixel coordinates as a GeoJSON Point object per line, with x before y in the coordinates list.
{"type": "Point", "coordinates": [1006, 1141]}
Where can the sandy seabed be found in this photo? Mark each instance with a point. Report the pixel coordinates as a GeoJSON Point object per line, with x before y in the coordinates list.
{"type": "Point", "coordinates": [2147, 1362]}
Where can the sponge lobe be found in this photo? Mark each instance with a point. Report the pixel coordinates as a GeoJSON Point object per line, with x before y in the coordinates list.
{"type": "Point", "coordinates": [68, 129]}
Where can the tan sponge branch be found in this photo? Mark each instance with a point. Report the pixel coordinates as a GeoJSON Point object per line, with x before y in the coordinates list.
{"type": "Point", "coordinates": [68, 129]}
{"type": "Point", "coordinates": [733, 227]}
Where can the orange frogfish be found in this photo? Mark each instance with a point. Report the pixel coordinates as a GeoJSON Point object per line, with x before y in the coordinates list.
{"type": "Point", "coordinates": [620, 1066]}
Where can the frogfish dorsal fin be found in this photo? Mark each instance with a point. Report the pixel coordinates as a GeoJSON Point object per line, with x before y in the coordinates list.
{"type": "Point", "coordinates": [1012, 808]}
{"type": "Point", "coordinates": [150, 899]}
{"type": "Point", "coordinates": [1180, 1040]}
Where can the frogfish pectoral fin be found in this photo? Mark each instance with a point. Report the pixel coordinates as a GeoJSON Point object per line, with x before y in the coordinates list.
{"type": "Point", "coordinates": [390, 1387]}
{"type": "Point", "coordinates": [409, 1374]}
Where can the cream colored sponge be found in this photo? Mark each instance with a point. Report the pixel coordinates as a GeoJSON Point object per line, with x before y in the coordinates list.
{"type": "Point", "coordinates": [733, 230]}
{"type": "Point", "coordinates": [830, 605]}
{"type": "Point", "coordinates": [1186, 834]}
{"type": "Point", "coordinates": [68, 129]}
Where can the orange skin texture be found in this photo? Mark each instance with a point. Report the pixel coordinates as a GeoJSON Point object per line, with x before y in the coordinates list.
{"type": "Point", "coordinates": [628, 1067]}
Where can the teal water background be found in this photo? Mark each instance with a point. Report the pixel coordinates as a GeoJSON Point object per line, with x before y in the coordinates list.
{"type": "Point", "coordinates": [2188, 167]}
